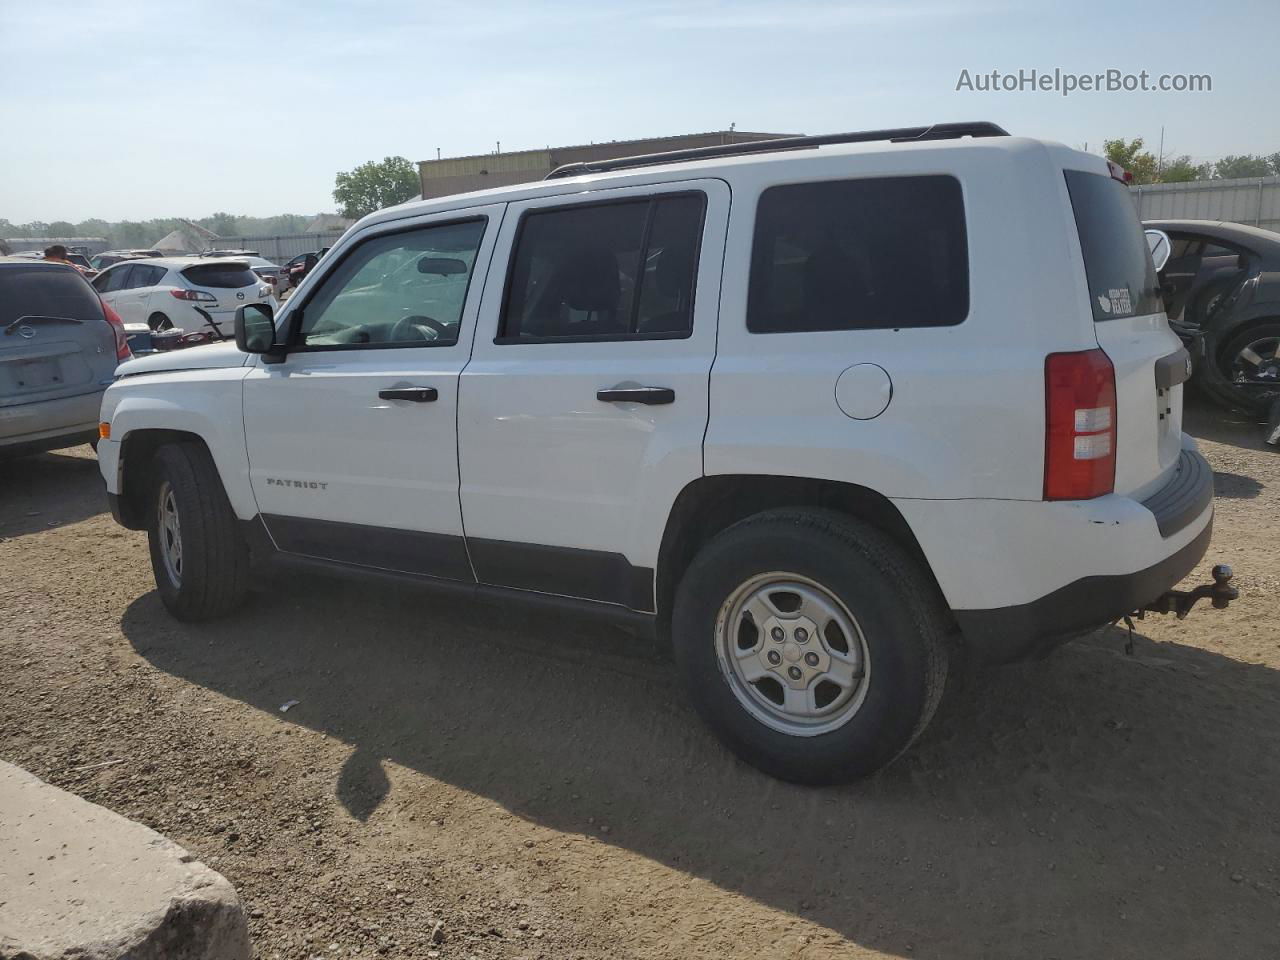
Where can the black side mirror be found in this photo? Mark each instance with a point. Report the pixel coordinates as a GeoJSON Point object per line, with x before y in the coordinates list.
{"type": "Point", "coordinates": [256, 328]}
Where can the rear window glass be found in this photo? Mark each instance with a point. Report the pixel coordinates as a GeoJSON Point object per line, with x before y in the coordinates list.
{"type": "Point", "coordinates": [1117, 261]}
{"type": "Point", "coordinates": [864, 254]}
{"type": "Point", "coordinates": [41, 291]}
{"type": "Point", "coordinates": [221, 275]}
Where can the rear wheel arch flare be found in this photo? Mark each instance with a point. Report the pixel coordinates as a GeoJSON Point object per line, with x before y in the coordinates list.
{"type": "Point", "coordinates": [708, 505]}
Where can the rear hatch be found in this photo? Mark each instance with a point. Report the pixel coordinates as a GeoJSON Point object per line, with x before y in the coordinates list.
{"type": "Point", "coordinates": [1132, 330]}
{"type": "Point", "coordinates": [232, 282]}
{"type": "Point", "coordinates": [55, 341]}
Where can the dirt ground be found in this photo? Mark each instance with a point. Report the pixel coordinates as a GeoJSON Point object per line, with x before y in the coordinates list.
{"type": "Point", "coordinates": [538, 789]}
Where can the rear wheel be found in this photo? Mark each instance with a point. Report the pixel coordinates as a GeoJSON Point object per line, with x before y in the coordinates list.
{"type": "Point", "coordinates": [158, 322]}
{"type": "Point", "coordinates": [198, 556]}
{"type": "Point", "coordinates": [811, 643]}
{"type": "Point", "coordinates": [1255, 355]}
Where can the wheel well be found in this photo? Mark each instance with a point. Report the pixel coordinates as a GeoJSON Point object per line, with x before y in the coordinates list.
{"type": "Point", "coordinates": [709, 505]}
{"type": "Point", "coordinates": [136, 453]}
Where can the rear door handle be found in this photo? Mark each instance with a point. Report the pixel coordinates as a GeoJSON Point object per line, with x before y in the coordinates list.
{"type": "Point", "coordinates": [649, 395]}
{"type": "Point", "coordinates": [413, 394]}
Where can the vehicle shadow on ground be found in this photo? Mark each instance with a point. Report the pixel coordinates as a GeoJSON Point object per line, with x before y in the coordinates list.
{"type": "Point", "coordinates": [1090, 805]}
{"type": "Point", "coordinates": [49, 490]}
{"type": "Point", "coordinates": [1205, 420]}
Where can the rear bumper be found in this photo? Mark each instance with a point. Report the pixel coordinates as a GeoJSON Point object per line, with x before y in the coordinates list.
{"type": "Point", "coordinates": [49, 424]}
{"type": "Point", "coordinates": [1022, 575]}
{"type": "Point", "coordinates": [1029, 629]}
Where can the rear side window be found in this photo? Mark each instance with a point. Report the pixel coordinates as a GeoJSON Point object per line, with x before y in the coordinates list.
{"type": "Point", "coordinates": [225, 276]}
{"type": "Point", "coordinates": [143, 276]}
{"type": "Point", "coordinates": [607, 271]}
{"type": "Point", "coordinates": [1117, 262]}
{"type": "Point", "coordinates": [878, 253]}
{"type": "Point", "coordinates": [40, 291]}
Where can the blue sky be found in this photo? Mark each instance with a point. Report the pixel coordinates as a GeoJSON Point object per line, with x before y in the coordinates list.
{"type": "Point", "coordinates": [139, 109]}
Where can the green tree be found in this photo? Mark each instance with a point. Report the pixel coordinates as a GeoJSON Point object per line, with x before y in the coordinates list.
{"type": "Point", "coordinates": [1232, 167]}
{"type": "Point", "coordinates": [1130, 155]}
{"type": "Point", "coordinates": [93, 227]}
{"type": "Point", "coordinates": [61, 228]}
{"type": "Point", "coordinates": [374, 185]}
{"type": "Point", "coordinates": [223, 224]}
{"type": "Point", "coordinates": [1181, 169]}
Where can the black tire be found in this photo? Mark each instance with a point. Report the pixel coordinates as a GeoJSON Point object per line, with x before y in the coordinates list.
{"type": "Point", "coordinates": [896, 606]}
{"type": "Point", "coordinates": [158, 322]}
{"type": "Point", "coordinates": [214, 576]}
{"type": "Point", "coordinates": [1254, 401]}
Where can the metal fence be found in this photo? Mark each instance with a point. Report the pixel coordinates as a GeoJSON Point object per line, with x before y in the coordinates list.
{"type": "Point", "coordinates": [281, 248]}
{"type": "Point", "coordinates": [1255, 201]}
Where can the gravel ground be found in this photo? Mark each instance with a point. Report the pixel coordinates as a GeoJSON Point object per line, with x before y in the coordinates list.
{"type": "Point", "coordinates": [497, 783]}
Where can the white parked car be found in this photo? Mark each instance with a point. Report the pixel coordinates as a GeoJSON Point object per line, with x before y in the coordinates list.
{"type": "Point", "coordinates": [827, 418]}
{"type": "Point", "coordinates": [192, 294]}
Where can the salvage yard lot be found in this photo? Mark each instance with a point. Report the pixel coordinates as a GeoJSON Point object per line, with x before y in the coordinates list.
{"type": "Point", "coordinates": [509, 784]}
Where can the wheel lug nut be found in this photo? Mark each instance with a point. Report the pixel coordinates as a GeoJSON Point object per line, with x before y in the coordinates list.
{"type": "Point", "coordinates": [774, 657]}
{"type": "Point", "coordinates": [811, 659]}
{"type": "Point", "coordinates": [777, 634]}
{"type": "Point", "coordinates": [793, 673]}
{"type": "Point", "coordinates": [802, 635]}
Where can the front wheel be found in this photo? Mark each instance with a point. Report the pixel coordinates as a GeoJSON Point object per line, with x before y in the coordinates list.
{"type": "Point", "coordinates": [198, 555]}
{"type": "Point", "coordinates": [811, 643]}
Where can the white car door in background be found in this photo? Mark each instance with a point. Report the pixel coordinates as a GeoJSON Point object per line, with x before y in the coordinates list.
{"type": "Point", "coordinates": [582, 412]}
{"type": "Point", "coordinates": [352, 439]}
{"type": "Point", "coordinates": [111, 286]}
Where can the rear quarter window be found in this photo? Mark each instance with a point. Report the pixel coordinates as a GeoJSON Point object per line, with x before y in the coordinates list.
{"type": "Point", "coordinates": [866, 254]}
{"type": "Point", "coordinates": [46, 291]}
{"type": "Point", "coordinates": [226, 276]}
{"type": "Point", "coordinates": [1117, 261]}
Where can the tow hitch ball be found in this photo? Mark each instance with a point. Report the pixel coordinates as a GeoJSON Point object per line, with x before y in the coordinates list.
{"type": "Point", "coordinates": [1180, 602]}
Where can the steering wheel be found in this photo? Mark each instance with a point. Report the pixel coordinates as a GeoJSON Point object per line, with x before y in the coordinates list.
{"type": "Point", "coordinates": [410, 328]}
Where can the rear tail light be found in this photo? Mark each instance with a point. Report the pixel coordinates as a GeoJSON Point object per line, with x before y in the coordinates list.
{"type": "Point", "coordinates": [1080, 425]}
{"type": "Point", "coordinates": [1118, 172]}
{"type": "Point", "coordinates": [117, 327]}
{"type": "Point", "coordinates": [198, 295]}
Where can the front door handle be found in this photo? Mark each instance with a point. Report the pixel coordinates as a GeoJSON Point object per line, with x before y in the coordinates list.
{"type": "Point", "coordinates": [649, 395]}
{"type": "Point", "coordinates": [414, 394]}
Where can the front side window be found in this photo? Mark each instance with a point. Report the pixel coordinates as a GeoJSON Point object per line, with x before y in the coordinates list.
{"type": "Point", "coordinates": [605, 271]}
{"type": "Point", "coordinates": [876, 253]}
{"type": "Point", "coordinates": [402, 289]}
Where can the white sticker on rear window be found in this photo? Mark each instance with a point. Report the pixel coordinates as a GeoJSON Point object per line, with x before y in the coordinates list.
{"type": "Point", "coordinates": [1104, 304]}
{"type": "Point", "coordinates": [1121, 301]}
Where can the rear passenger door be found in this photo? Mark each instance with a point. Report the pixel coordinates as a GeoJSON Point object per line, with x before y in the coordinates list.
{"type": "Point", "coordinates": [582, 411]}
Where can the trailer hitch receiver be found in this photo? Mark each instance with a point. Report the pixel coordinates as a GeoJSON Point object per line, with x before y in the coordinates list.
{"type": "Point", "coordinates": [1180, 602]}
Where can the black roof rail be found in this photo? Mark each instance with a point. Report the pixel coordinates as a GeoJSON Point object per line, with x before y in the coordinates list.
{"type": "Point", "coordinates": [934, 131]}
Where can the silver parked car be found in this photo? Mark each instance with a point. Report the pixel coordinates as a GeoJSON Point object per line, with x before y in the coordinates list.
{"type": "Point", "coordinates": [59, 348]}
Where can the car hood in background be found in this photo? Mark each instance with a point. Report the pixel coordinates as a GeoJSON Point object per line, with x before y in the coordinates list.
{"type": "Point", "coordinates": [207, 356]}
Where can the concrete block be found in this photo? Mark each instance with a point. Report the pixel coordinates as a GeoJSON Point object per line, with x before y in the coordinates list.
{"type": "Point", "coordinates": [77, 880]}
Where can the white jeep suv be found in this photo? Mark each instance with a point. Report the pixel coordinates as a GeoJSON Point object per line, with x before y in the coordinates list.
{"type": "Point", "coordinates": [825, 411]}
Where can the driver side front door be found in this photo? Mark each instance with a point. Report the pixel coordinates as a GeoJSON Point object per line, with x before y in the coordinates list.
{"type": "Point", "coordinates": [352, 440]}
